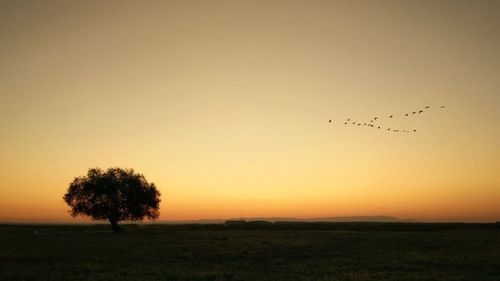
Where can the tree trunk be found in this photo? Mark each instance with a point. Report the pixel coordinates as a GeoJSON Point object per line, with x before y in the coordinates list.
{"type": "Point", "coordinates": [115, 227]}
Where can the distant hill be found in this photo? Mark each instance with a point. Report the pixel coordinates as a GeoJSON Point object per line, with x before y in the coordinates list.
{"type": "Point", "coordinates": [326, 219]}
{"type": "Point", "coordinates": [362, 219]}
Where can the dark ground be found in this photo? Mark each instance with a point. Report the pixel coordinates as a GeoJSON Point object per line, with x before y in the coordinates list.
{"type": "Point", "coordinates": [356, 251]}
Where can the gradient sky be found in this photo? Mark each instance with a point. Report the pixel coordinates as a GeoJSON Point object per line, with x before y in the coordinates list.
{"type": "Point", "coordinates": [224, 105]}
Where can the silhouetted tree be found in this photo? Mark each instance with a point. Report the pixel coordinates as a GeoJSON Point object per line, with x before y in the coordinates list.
{"type": "Point", "coordinates": [114, 195]}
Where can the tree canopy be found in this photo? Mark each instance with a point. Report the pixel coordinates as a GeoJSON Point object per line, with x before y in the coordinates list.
{"type": "Point", "coordinates": [114, 195]}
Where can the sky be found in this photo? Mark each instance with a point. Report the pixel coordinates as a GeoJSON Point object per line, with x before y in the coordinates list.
{"type": "Point", "coordinates": [224, 105]}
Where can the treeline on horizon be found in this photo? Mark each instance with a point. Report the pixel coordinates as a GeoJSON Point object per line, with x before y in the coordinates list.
{"type": "Point", "coordinates": [339, 226]}
{"type": "Point", "coordinates": [291, 225]}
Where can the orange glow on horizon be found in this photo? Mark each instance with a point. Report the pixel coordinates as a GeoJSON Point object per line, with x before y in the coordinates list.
{"type": "Point", "coordinates": [224, 106]}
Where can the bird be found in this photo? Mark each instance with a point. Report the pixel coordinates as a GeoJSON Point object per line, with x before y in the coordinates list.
{"type": "Point", "coordinates": [354, 123]}
{"type": "Point", "coordinates": [427, 107]}
{"type": "Point", "coordinates": [406, 114]}
{"type": "Point", "coordinates": [388, 129]}
{"type": "Point", "coordinates": [330, 121]}
{"type": "Point", "coordinates": [375, 118]}
{"type": "Point", "coordinates": [414, 112]}
{"type": "Point", "coordinates": [345, 123]}
{"type": "Point", "coordinates": [364, 124]}
{"type": "Point", "coordinates": [414, 131]}
{"type": "Point", "coordinates": [378, 127]}
{"type": "Point", "coordinates": [371, 120]}
{"type": "Point", "coordinates": [359, 124]}
{"type": "Point", "coordinates": [348, 119]}
{"type": "Point", "coordinates": [390, 116]}
{"type": "Point", "coordinates": [442, 106]}
{"type": "Point", "coordinates": [420, 111]}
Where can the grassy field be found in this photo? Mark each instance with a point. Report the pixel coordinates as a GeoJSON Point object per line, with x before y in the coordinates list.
{"type": "Point", "coordinates": [166, 252]}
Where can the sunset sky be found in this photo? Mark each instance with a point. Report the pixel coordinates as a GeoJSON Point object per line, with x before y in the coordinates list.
{"type": "Point", "coordinates": [224, 105]}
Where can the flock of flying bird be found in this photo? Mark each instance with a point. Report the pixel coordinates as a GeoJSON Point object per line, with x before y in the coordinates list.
{"type": "Point", "coordinates": [373, 122]}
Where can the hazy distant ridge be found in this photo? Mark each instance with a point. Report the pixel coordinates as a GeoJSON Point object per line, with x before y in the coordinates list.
{"type": "Point", "coordinates": [326, 219]}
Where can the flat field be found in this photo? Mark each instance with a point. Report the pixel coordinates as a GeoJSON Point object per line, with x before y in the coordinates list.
{"type": "Point", "coordinates": [356, 251]}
